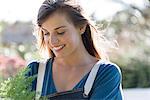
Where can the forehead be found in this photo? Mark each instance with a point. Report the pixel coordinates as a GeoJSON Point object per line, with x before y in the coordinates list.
{"type": "Point", "coordinates": [55, 20]}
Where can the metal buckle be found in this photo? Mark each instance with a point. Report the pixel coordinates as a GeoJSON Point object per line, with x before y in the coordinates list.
{"type": "Point", "coordinates": [85, 96]}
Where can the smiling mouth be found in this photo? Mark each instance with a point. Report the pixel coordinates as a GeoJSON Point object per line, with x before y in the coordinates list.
{"type": "Point", "coordinates": [58, 48]}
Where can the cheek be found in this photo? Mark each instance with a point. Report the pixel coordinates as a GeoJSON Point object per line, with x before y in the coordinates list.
{"type": "Point", "coordinates": [73, 39]}
{"type": "Point", "coordinates": [74, 36]}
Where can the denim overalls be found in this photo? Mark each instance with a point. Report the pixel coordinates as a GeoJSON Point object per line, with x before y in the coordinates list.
{"type": "Point", "coordinates": [75, 94]}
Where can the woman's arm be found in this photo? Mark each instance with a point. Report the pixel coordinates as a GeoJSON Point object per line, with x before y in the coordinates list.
{"type": "Point", "coordinates": [33, 70]}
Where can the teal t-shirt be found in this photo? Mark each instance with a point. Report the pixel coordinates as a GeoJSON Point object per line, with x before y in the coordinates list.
{"type": "Point", "coordinates": [107, 85]}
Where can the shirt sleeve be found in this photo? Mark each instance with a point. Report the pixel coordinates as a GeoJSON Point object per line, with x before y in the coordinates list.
{"type": "Point", "coordinates": [107, 85]}
{"type": "Point", "coordinates": [33, 70]}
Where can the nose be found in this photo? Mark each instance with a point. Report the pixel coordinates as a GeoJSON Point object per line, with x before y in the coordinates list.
{"type": "Point", "coordinates": [54, 40]}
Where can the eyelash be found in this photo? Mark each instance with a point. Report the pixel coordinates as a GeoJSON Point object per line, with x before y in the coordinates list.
{"type": "Point", "coordinates": [47, 33]}
{"type": "Point", "coordinates": [61, 33]}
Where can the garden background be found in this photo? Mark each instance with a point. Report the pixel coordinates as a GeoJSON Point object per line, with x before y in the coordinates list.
{"type": "Point", "coordinates": [129, 26]}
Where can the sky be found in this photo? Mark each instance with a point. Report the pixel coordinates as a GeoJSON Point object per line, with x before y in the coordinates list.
{"type": "Point", "coordinates": [26, 10]}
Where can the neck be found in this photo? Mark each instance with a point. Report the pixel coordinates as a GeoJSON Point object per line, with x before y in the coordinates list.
{"type": "Point", "coordinates": [77, 58]}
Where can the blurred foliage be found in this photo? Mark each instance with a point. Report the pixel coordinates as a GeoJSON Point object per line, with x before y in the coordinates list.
{"type": "Point", "coordinates": [15, 55]}
{"type": "Point", "coordinates": [130, 28]}
{"type": "Point", "coordinates": [26, 47]}
{"type": "Point", "coordinates": [9, 66]}
{"type": "Point", "coordinates": [3, 24]}
{"type": "Point", "coordinates": [136, 73]}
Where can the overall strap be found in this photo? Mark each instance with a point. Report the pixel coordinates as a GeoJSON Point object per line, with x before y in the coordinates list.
{"type": "Point", "coordinates": [90, 80]}
{"type": "Point", "coordinates": [40, 79]}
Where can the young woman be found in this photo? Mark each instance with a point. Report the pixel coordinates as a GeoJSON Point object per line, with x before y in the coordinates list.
{"type": "Point", "coordinates": [75, 69]}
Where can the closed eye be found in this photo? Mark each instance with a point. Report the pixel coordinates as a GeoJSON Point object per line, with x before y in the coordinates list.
{"type": "Point", "coordinates": [46, 33]}
{"type": "Point", "coordinates": [60, 33]}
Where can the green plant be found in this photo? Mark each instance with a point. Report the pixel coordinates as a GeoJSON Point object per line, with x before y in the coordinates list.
{"type": "Point", "coordinates": [18, 87]}
{"type": "Point", "coordinates": [135, 72]}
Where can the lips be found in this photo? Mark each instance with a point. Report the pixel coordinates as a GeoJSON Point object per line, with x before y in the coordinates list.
{"type": "Point", "coordinates": [58, 48]}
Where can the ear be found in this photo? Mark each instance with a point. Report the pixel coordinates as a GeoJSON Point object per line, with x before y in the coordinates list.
{"type": "Point", "coordinates": [82, 29]}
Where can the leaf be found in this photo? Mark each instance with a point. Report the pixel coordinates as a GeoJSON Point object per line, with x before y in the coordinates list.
{"type": "Point", "coordinates": [18, 87]}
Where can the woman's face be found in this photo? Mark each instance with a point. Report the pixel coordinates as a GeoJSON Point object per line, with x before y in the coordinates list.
{"type": "Point", "coordinates": [61, 36]}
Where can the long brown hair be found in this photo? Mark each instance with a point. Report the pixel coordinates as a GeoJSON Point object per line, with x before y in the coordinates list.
{"type": "Point", "coordinates": [74, 14]}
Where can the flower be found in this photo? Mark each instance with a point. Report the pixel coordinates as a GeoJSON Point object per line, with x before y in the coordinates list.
{"type": "Point", "coordinates": [9, 66]}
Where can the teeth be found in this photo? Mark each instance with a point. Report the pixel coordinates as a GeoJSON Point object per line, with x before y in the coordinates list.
{"type": "Point", "coordinates": [57, 48]}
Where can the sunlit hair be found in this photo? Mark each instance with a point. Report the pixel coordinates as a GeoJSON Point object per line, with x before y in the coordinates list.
{"type": "Point", "coordinates": [75, 15]}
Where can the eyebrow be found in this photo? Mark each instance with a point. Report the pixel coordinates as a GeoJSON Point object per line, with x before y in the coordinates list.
{"type": "Point", "coordinates": [59, 27]}
{"type": "Point", "coordinates": [55, 28]}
